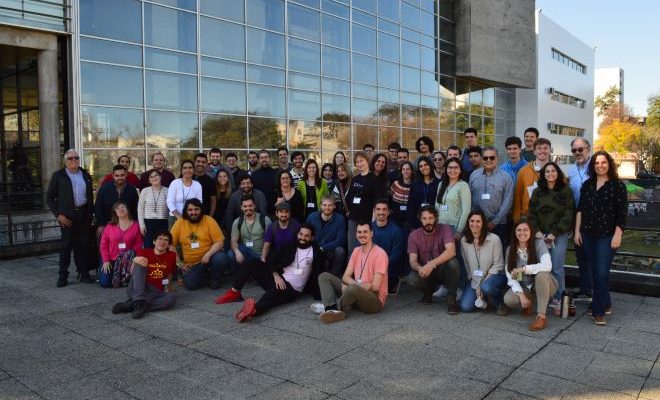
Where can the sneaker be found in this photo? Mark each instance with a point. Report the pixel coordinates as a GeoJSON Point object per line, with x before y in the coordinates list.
{"type": "Point", "coordinates": [539, 324]}
{"type": "Point", "coordinates": [582, 296]}
{"type": "Point", "coordinates": [330, 316]}
{"type": "Point", "coordinates": [452, 305]}
{"type": "Point", "coordinates": [502, 310]}
{"type": "Point", "coordinates": [230, 296]}
{"type": "Point", "coordinates": [61, 282]}
{"type": "Point", "coordinates": [123, 307]}
{"type": "Point", "coordinates": [441, 292]}
{"type": "Point", "coordinates": [427, 298]}
{"type": "Point", "coordinates": [393, 287]}
{"type": "Point", "coordinates": [139, 308]}
{"type": "Point", "coordinates": [248, 310]}
{"type": "Point", "coordinates": [600, 320]}
{"type": "Point", "coordinates": [317, 308]}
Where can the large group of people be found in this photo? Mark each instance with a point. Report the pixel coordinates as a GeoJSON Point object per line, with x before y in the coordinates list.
{"type": "Point", "coordinates": [487, 232]}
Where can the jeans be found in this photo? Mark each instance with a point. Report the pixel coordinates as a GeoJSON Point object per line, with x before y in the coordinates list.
{"type": "Point", "coordinates": [586, 280]}
{"type": "Point", "coordinates": [198, 275]}
{"type": "Point", "coordinates": [446, 274]}
{"type": "Point", "coordinates": [139, 290]}
{"type": "Point", "coordinates": [334, 261]}
{"type": "Point", "coordinates": [350, 236]}
{"type": "Point", "coordinates": [153, 226]}
{"type": "Point", "coordinates": [248, 254]}
{"type": "Point", "coordinates": [599, 255]}
{"type": "Point", "coordinates": [558, 256]}
{"type": "Point", "coordinates": [491, 288]}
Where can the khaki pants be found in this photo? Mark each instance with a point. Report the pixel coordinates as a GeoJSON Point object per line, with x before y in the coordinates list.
{"type": "Point", "coordinates": [351, 295]}
{"type": "Point", "coordinates": [545, 285]}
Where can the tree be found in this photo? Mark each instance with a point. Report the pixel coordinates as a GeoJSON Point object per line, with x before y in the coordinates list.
{"type": "Point", "coordinates": [653, 111]}
{"type": "Point", "coordinates": [608, 99]}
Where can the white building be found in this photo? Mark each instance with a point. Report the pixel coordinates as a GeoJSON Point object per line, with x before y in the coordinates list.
{"type": "Point", "coordinates": [605, 79]}
{"type": "Point", "coordinates": [561, 106]}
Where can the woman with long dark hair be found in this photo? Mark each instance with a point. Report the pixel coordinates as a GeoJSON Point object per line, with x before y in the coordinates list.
{"type": "Point", "coordinates": [378, 167]}
{"type": "Point", "coordinates": [599, 224]}
{"type": "Point", "coordinates": [340, 158]}
{"type": "Point", "coordinates": [120, 241]}
{"type": "Point", "coordinates": [453, 200]}
{"type": "Point", "coordinates": [527, 267]}
{"type": "Point", "coordinates": [284, 191]}
{"type": "Point", "coordinates": [340, 191]}
{"type": "Point", "coordinates": [400, 191]}
{"type": "Point", "coordinates": [311, 187]}
{"type": "Point", "coordinates": [422, 191]}
{"type": "Point", "coordinates": [424, 147]}
{"type": "Point", "coordinates": [328, 173]}
{"type": "Point", "coordinates": [223, 190]}
{"type": "Point", "coordinates": [360, 197]}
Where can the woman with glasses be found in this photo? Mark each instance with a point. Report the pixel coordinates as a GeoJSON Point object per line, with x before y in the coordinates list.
{"type": "Point", "coordinates": [286, 192]}
{"type": "Point", "coordinates": [453, 200]}
{"type": "Point", "coordinates": [120, 241]}
{"type": "Point", "coordinates": [438, 164]}
{"type": "Point", "coordinates": [152, 208]}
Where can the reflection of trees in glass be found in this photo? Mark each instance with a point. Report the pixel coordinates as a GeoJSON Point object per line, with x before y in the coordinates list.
{"type": "Point", "coordinates": [224, 131]}
{"type": "Point", "coordinates": [114, 128]}
{"type": "Point", "coordinates": [266, 133]}
{"type": "Point", "coordinates": [334, 130]}
{"type": "Point", "coordinates": [429, 118]}
{"type": "Point", "coordinates": [389, 114]}
{"type": "Point", "coordinates": [410, 116]}
{"type": "Point", "coordinates": [304, 134]}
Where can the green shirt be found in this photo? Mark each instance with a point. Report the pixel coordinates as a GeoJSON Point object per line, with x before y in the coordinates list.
{"type": "Point", "coordinates": [250, 233]}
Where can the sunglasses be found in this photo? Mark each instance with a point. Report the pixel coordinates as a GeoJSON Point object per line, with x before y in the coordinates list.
{"type": "Point", "coordinates": [73, 158]}
{"type": "Point", "coordinates": [577, 150]}
{"type": "Point", "coordinates": [438, 159]}
{"type": "Point", "coordinates": [489, 158]}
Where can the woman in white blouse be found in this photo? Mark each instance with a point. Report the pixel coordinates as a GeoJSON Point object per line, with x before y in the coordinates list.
{"type": "Point", "coordinates": [528, 267]}
{"type": "Point", "coordinates": [152, 208]}
{"type": "Point", "coordinates": [183, 189]}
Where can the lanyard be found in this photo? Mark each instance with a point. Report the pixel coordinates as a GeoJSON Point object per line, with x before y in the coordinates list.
{"type": "Point", "coordinates": [444, 198]}
{"type": "Point", "coordinates": [486, 184]}
{"type": "Point", "coordinates": [364, 263]}
{"type": "Point", "coordinates": [249, 228]}
{"type": "Point", "coordinates": [476, 253]}
{"type": "Point", "coordinates": [155, 198]}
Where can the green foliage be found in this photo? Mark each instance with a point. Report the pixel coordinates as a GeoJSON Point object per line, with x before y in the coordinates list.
{"type": "Point", "coordinates": [653, 111]}
{"type": "Point", "coordinates": [609, 98]}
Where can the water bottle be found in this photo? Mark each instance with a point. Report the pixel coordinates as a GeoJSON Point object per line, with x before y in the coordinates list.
{"type": "Point", "coordinates": [565, 304]}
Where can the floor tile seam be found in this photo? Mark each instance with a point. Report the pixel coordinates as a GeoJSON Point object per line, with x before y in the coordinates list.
{"type": "Point", "coordinates": [35, 392]}
{"type": "Point", "coordinates": [287, 380]}
{"type": "Point", "coordinates": [648, 376]}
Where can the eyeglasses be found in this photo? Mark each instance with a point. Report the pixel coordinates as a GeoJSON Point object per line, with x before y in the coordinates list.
{"type": "Point", "coordinates": [577, 150]}
{"type": "Point", "coordinates": [438, 159]}
{"type": "Point", "coordinates": [489, 158]}
{"type": "Point", "coordinates": [72, 158]}
{"type": "Point", "coordinates": [453, 168]}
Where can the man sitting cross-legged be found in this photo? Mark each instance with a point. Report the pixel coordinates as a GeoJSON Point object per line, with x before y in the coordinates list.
{"type": "Point", "coordinates": [364, 284]}
{"type": "Point", "coordinates": [151, 286]}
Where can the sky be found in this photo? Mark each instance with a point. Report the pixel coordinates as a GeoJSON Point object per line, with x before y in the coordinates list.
{"type": "Point", "coordinates": [627, 35]}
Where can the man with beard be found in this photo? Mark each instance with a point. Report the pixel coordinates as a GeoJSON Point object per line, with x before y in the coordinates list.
{"type": "Point", "coordinates": [245, 188]}
{"type": "Point", "coordinates": [131, 178]}
{"type": "Point", "coordinates": [201, 242]}
{"type": "Point", "coordinates": [253, 161]}
{"type": "Point", "coordinates": [247, 234]}
{"type": "Point", "coordinates": [157, 164]}
{"type": "Point", "coordinates": [215, 165]}
{"type": "Point", "coordinates": [433, 261]}
{"type": "Point", "coordinates": [112, 192]}
{"type": "Point", "coordinates": [364, 284]}
{"type": "Point", "coordinates": [280, 235]}
{"type": "Point", "coordinates": [283, 158]}
{"type": "Point", "coordinates": [265, 179]}
{"type": "Point", "coordinates": [284, 277]}
{"type": "Point", "coordinates": [330, 235]}
{"type": "Point", "coordinates": [297, 160]}
{"type": "Point", "coordinates": [389, 237]}
{"type": "Point", "coordinates": [209, 192]}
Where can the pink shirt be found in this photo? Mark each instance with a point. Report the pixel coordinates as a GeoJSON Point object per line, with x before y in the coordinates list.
{"type": "Point", "coordinates": [366, 265]}
{"type": "Point", "coordinates": [113, 237]}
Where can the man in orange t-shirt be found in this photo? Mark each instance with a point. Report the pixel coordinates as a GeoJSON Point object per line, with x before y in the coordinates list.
{"type": "Point", "coordinates": [364, 284]}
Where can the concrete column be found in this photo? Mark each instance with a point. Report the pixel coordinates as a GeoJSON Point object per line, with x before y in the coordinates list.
{"type": "Point", "coordinates": [49, 120]}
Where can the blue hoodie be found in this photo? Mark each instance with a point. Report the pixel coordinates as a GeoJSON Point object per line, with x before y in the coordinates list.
{"type": "Point", "coordinates": [332, 234]}
{"type": "Point", "coordinates": [390, 239]}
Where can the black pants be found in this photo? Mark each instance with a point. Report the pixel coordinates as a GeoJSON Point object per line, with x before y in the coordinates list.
{"type": "Point", "coordinates": [334, 261]}
{"type": "Point", "coordinates": [77, 238]}
{"type": "Point", "coordinates": [447, 274]}
{"type": "Point", "coordinates": [264, 277]}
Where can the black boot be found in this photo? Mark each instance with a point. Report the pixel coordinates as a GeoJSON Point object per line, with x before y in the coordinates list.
{"type": "Point", "coordinates": [123, 307]}
{"type": "Point", "coordinates": [139, 308]}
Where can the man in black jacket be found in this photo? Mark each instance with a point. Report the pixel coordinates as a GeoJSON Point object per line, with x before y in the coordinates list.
{"type": "Point", "coordinates": [110, 193]}
{"type": "Point", "coordinates": [294, 271]}
{"type": "Point", "coordinates": [69, 198]}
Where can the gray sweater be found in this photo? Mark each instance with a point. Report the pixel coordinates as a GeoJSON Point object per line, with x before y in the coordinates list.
{"type": "Point", "coordinates": [488, 259]}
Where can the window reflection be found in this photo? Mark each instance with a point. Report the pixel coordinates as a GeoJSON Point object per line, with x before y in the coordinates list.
{"type": "Point", "coordinates": [388, 74]}
{"type": "Point", "coordinates": [410, 15]}
{"type": "Point", "coordinates": [389, 9]}
{"type": "Point", "coordinates": [304, 134]}
{"type": "Point", "coordinates": [388, 135]}
{"type": "Point", "coordinates": [99, 18]}
{"type": "Point", "coordinates": [336, 63]}
{"type": "Point", "coordinates": [365, 111]}
{"type": "Point", "coordinates": [388, 47]}
{"type": "Point", "coordinates": [266, 101]}
{"type": "Point", "coordinates": [214, 96]}
{"type": "Point", "coordinates": [364, 69]}
{"type": "Point", "coordinates": [335, 31]}
{"type": "Point", "coordinates": [410, 53]}
{"type": "Point", "coordinates": [112, 52]}
{"type": "Point", "coordinates": [165, 27]}
{"type": "Point", "coordinates": [110, 85]}
{"type": "Point", "coordinates": [429, 117]}
{"type": "Point", "coordinates": [303, 22]}
{"type": "Point", "coordinates": [224, 131]}
{"type": "Point", "coordinates": [304, 81]}
{"type": "Point", "coordinates": [336, 86]}
{"type": "Point", "coordinates": [428, 24]}
{"type": "Point", "coordinates": [408, 138]}
{"type": "Point", "coordinates": [166, 129]}
{"type": "Point", "coordinates": [186, 4]}
{"type": "Point", "coordinates": [170, 60]}
{"type": "Point", "coordinates": [410, 116]}
{"type": "Point", "coordinates": [266, 133]}
{"type": "Point", "coordinates": [112, 127]}
{"type": "Point", "coordinates": [304, 105]}
{"type": "Point", "coordinates": [222, 39]}
{"type": "Point", "coordinates": [429, 83]}
{"type": "Point", "coordinates": [223, 68]}
{"type": "Point", "coordinates": [267, 75]}
{"type": "Point", "coordinates": [410, 79]}
{"type": "Point", "coordinates": [267, 14]}
{"type": "Point", "coordinates": [304, 56]}
{"type": "Point", "coordinates": [174, 91]}
{"type": "Point", "coordinates": [389, 113]}
{"type": "Point", "coordinates": [335, 8]}
{"type": "Point", "coordinates": [336, 108]}
{"type": "Point", "coordinates": [364, 40]}
{"type": "Point", "coordinates": [366, 5]}
{"type": "Point", "coordinates": [228, 9]}
{"type": "Point", "coordinates": [99, 162]}
{"type": "Point", "coordinates": [335, 136]}
{"type": "Point", "coordinates": [265, 47]}
{"type": "Point", "coordinates": [369, 92]}
{"type": "Point", "coordinates": [363, 134]}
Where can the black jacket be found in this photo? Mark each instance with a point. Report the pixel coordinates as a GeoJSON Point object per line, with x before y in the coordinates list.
{"type": "Point", "coordinates": [107, 196]}
{"type": "Point", "coordinates": [286, 256]}
{"type": "Point", "coordinates": [60, 193]}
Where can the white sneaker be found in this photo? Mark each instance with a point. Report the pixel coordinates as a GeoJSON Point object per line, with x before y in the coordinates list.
{"type": "Point", "coordinates": [317, 308]}
{"type": "Point", "coordinates": [441, 292]}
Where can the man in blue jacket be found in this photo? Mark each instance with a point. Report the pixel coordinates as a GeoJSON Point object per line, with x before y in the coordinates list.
{"type": "Point", "coordinates": [330, 228]}
{"type": "Point", "coordinates": [389, 237]}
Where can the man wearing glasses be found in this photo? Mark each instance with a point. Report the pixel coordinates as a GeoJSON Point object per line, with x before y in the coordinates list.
{"type": "Point", "coordinates": [577, 175]}
{"type": "Point", "coordinates": [69, 198]}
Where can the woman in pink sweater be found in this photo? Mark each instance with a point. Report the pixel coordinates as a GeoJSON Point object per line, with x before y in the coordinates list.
{"type": "Point", "coordinates": [120, 241]}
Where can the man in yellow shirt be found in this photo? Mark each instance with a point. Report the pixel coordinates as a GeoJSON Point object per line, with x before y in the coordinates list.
{"type": "Point", "coordinates": [201, 240]}
{"type": "Point", "coordinates": [527, 178]}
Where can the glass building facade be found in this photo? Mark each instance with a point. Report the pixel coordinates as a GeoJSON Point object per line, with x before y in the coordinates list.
{"type": "Point", "coordinates": [321, 76]}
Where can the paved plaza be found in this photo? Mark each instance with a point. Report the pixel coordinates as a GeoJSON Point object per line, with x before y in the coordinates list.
{"type": "Point", "coordinates": [66, 344]}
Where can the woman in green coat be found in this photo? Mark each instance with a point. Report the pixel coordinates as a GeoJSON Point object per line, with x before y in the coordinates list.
{"type": "Point", "coordinates": [312, 187]}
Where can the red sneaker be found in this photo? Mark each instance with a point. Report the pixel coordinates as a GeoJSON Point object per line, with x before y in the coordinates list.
{"type": "Point", "coordinates": [230, 296]}
{"type": "Point", "coordinates": [247, 312]}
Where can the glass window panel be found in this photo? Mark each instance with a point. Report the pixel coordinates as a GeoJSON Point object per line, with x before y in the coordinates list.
{"type": "Point", "coordinates": [186, 4]}
{"type": "Point", "coordinates": [489, 97]}
{"type": "Point", "coordinates": [336, 136]}
{"type": "Point", "coordinates": [388, 74]}
{"type": "Point", "coordinates": [309, 3]}
{"type": "Point", "coordinates": [303, 22]}
{"type": "Point", "coordinates": [266, 133]}
{"type": "Point", "coordinates": [447, 89]}
{"type": "Point", "coordinates": [488, 127]}
{"type": "Point", "coordinates": [266, 100]}
{"type": "Point", "coordinates": [170, 60]}
{"type": "Point", "coordinates": [389, 114]}
{"type": "Point", "coordinates": [428, 59]}
{"type": "Point", "coordinates": [304, 81]}
{"type": "Point", "coordinates": [165, 27]}
{"type": "Point", "coordinates": [411, 35]}
{"type": "Point", "coordinates": [410, 98]}
{"type": "Point", "coordinates": [222, 39]}
{"type": "Point", "coordinates": [99, 18]}
{"type": "Point", "coordinates": [428, 101]}
{"type": "Point", "coordinates": [388, 95]}
{"type": "Point", "coordinates": [364, 40]}
{"type": "Point", "coordinates": [265, 47]}
{"type": "Point", "coordinates": [166, 129]}
{"type": "Point", "coordinates": [304, 56]}
{"type": "Point", "coordinates": [112, 52]}
{"type": "Point", "coordinates": [267, 14]}
{"type": "Point", "coordinates": [332, 7]}
{"type": "Point", "coordinates": [364, 18]}
{"type": "Point", "coordinates": [111, 85]}
{"type": "Point", "coordinates": [304, 134]}
{"type": "Point", "coordinates": [304, 105]}
{"type": "Point", "coordinates": [428, 24]}
{"type": "Point", "coordinates": [223, 68]}
{"type": "Point", "coordinates": [336, 63]}
{"type": "Point", "coordinates": [476, 122]}
{"type": "Point", "coordinates": [447, 139]}
{"type": "Point", "coordinates": [225, 131]}
{"type": "Point", "coordinates": [410, 15]}
{"type": "Point", "coordinates": [388, 26]}
{"type": "Point", "coordinates": [429, 84]}
{"type": "Point", "coordinates": [228, 9]}
{"type": "Point", "coordinates": [410, 116]}
{"type": "Point", "coordinates": [429, 117]}
{"type": "Point", "coordinates": [267, 75]}
{"type": "Point", "coordinates": [446, 9]}
{"type": "Point", "coordinates": [410, 53]}
{"type": "Point", "coordinates": [410, 79]}
{"type": "Point", "coordinates": [214, 96]}
{"type": "Point", "coordinates": [476, 95]}
{"type": "Point", "coordinates": [364, 111]}
{"type": "Point", "coordinates": [360, 90]}
{"type": "Point", "coordinates": [389, 9]}
{"type": "Point", "coordinates": [387, 135]}
{"type": "Point", "coordinates": [462, 122]}
{"type": "Point", "coordinates": [388, 47]}
{"type": "Point", "coordinates": [364, 69]}
{"type": "Point", "coordinates": [336, 86]}
{"type": "Point", "coordinates": [408, 139]}
{"type": "Point", "coordinates": [363, 135]}
{"type": "Point", "coordinates": [366, 5]}
{"type": "Point", "coordinates": [336, 108]}
{"type": "Point", "coordinates": [335, 31]}
{"type": "Point", "coordinates": [112, 127]}
{"type": "Point", "coordinates": [165, 90]}
{"type": "Point", "coordinates": [99, 162]}
{"type": "Point", "coordinates": [462, 91]}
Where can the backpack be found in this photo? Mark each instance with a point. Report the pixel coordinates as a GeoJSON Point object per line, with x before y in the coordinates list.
{"type": "Point", "coordinates": [262, 222]}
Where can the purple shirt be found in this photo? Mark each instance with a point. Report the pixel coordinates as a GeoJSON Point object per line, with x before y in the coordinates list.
{"type": "Point", "coordinates": [429, 246]}
{"type": "Point", "coordinates": [278, 237]}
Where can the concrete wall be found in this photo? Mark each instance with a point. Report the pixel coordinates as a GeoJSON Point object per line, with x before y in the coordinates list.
{"type": "Point", "coordinates": [495, 41]}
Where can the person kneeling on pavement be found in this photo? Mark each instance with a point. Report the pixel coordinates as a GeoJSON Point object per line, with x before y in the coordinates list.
{"type": "Point", "coordinates": [288, 272]}
{"type": "Point", "coordinates": [364, 284]}
{"type": "Point", "coordinates": [151, 287]}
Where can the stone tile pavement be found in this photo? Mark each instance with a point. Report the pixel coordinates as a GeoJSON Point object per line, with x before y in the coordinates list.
{"type": "Point", "coordinates": [66, 344]}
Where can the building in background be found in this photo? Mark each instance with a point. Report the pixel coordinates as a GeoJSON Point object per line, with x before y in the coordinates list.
{"type": "Point", "coordinates": [605, 78]}
{"type": "Point", "coordinates": [561, 105]}
{"type": "Point", "coordinates": [135, 76]}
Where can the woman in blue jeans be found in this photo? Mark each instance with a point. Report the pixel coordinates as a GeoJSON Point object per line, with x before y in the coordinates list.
{"type": "Point", "coordinates": [599, 223]}
{"type": "Point", "coordinates": [484, 264]}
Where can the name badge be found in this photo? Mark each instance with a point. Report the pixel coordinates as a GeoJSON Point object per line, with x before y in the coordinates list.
{"type": "Point", "coordinates": [485, 196]}
{"type": "Point", "coordinates": [121, 246]}
{"type": "Point", "coordinates": [297, 271]}
{"type": "Point", "coordinates": [403, 207]}
{"type": "Point", "coordinates": [194, 245]}
{"type": "Point", "coordinates": [357, 200]}
{"type": "Point", "coordinates": [249, 244]}
{"type": "Point", "coordinates": [166, 282]}
{"type": "Point", "coordinates": [478, 272]}
{"type": "Point", "coordinates": [444, 207]}
{"type": "Point", "coordinates": [311, 205]}
{"type": "Point", "coordinates": [359, 281]}
{"type": "Point", "coordinates": [424, 204]}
